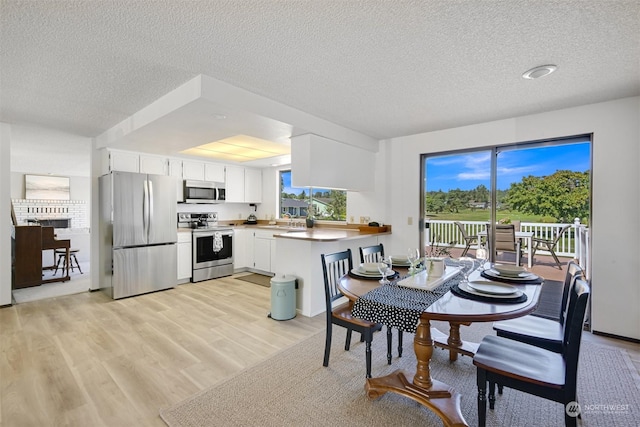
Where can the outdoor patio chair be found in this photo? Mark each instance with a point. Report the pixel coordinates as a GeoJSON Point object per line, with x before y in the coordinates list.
{"type": "Point", "coordinates": [468, 240]}
{"type": "Point", "coordinates": [375, 253]}
{"type": "Point", "coordinates": [506, 240]}
{"type": "Point", "coordinates": [549, 244]}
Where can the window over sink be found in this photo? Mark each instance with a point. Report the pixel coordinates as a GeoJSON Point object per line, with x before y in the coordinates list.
{"type": "Point", "coordinates": [321, 203]}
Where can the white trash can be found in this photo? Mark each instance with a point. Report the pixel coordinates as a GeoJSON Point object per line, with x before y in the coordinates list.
{"type": "Point", "coordinates": [283, 297]}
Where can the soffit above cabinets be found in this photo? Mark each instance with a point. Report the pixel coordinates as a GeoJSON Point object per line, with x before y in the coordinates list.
{"type": "Point", "coordinates": [192, 116]}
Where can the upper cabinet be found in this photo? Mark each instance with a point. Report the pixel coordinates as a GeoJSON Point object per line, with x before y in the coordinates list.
{"type": "Point", "coordinates": [324, 163]}
{"type": "Point", "coordinates": [154, 164]}
{"type": "Point", "coordinates": [243, 185]}
{"type": "Point", "coordinates": [202, 171]}
{"type": "Point", "coordinates": [126, 161]}
{"type": "Point", "coordinates": [253, 185]}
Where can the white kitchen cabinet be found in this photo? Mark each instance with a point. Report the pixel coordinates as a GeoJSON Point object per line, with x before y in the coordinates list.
{"type": "Point", "coordinates": [214, 172]}
{"type": "Point", "coordinates": [175, 170]}
{"type": "Point", "coordinates": [264, 251]}
{"type": "Point", "coordinates": [184, 256]}
{"type": "Point", "coordinates": [243, 185]}
{"type": "Point", "coordinates": [156, 165]}
{"type": "Point", "coordinates": [253, 185]}
{"type": "Point", "coordinates": [193, 170]}
{"type": "Point", "coordinates": [240, 249]}
{"type": "Point", "coordinates": [123, 161]}
{"type": "Point", "coordinates": [234, 184]}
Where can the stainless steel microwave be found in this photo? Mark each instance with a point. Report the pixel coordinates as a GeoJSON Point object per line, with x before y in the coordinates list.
{"type": "Point", "coordinates": [203, 192]}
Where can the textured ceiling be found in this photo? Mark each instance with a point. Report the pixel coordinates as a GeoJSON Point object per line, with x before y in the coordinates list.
{"type": "Point", "coordinates": [383, 68]}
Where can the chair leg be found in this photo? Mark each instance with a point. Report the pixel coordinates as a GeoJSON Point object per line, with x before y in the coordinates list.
{"type": "Point", "coordinates": [58, 264]}
{"type": "Point", "coordinates": [389, 342]}
{"type": "Point", "coordinates": [367, 351]}
{"type": "Point", "coordinates": [555, 258]}
{"type": "Point", "coordinates": [492, 395]}
{"type": "Point", "coordinates": [500, 388]}
{"type": "Point", "coordinates": [466, 249]}
{"type": "Point", "coordinates": [77, 263]}
{"type": "Point", "coordinates": [347, 342]}
{"type": "Point", "coordinates": [327, 346]}
{"type": "Point", "coordinates": [399, 343]}
{"type": "Point", "coordinates": [482, 397]}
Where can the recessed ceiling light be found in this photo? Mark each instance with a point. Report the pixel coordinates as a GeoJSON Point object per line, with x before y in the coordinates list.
{"type": "Point", "coordinates": [541, 71]}
{"type": "Point", "coordinates": [219, 116]}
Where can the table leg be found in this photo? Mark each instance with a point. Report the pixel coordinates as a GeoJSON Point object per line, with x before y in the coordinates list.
{"type": "Point", "coordinates": [454, 343]}
{"type": "Point", "coordinates": [435, 395]}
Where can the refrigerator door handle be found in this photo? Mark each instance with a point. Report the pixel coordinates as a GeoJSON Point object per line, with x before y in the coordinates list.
{"type": "Point", "coordinates": [145, 208]}
{"type": "Point", "coordinates": [150, 205]}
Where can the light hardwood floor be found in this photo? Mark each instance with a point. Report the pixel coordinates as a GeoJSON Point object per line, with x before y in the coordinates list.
{"type": "Point", "coordinates": [86, 360]}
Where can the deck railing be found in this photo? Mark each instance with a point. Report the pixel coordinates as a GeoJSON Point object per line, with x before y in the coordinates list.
{"type": "Point", "coordinates": [573, 243]}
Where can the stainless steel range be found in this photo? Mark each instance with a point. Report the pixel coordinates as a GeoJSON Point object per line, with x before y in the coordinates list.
{"type": "Point", "coordinates": [212, 246]}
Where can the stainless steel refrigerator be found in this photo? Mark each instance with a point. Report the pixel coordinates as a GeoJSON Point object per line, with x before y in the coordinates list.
{"type": "Point", "coordinates": [138, 233]}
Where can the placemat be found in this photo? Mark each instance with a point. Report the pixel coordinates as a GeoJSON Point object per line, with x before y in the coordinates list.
{"type": "Point", "coordinates": [537, 281]}
{"type": "Point", "coordinates": [463, 294]}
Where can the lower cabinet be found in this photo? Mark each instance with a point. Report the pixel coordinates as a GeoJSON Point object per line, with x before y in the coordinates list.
{"type": "Point", "coordinates": [184, 257]}
{"type": "Point", "coordinates": [262, 253]}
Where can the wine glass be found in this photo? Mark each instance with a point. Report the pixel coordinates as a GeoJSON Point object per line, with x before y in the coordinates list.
{"type": "Point", "coordinates": [412, 256]}
{"type": "Point", "coordinates": [384, 265]}
{"type": "Point", "coordinates": [482, 255]}
{"type": "Point", "coordinates": [466, 267]}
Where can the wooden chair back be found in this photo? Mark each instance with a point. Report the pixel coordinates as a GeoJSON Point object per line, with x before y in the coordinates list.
{"type": "Point", "coordinates": [373, 253]}
{"type": "Point", "coordinates": [334, 266]}
{"type": "Point", "coordinates": [578, 299]}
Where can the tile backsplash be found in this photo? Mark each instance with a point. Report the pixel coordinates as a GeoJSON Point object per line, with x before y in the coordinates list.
{"type": "Point", "coordinates": [76, 210]}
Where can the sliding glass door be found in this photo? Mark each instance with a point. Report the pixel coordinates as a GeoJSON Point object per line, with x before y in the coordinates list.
{"type": "Point", "coordinates": [540, 187]}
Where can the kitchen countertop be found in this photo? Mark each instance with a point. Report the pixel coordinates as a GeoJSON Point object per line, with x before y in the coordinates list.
{"type": "Point", "coordinates": [326, 234]}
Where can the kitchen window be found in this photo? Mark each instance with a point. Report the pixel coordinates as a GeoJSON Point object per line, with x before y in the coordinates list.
{"type": "Point", "coordinates": [298, 202]}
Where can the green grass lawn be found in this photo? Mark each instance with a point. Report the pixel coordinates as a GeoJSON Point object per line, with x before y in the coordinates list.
{"type": "Point", "coordinates": [484, 215]}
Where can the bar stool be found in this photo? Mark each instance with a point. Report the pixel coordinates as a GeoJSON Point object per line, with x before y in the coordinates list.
{"type": "Point", "coordinates": [62, 255]}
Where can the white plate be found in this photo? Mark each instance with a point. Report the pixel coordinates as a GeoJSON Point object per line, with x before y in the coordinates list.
{"type": "Point", "coordinates": [464, 287]}
{"type": "Point", "coordinates": [400, 260]}
{"type": "Point", "coordinates": [357, 272]}
{"type": "Point", "coordinates": [509, 270]}
{"type": "Point", "coordinates": [369, 267]}
{"type": "Point", "coordinates": [522, 276]}
{"type": "Point", "coordinates": [494, 288]}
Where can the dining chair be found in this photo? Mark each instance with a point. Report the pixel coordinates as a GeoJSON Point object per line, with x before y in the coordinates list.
{"type": "Point", "coordinates": [532, 369]}
{"type": "Point", "coordinates": [468, 240]}
{"type": "Point", "coordinates": [334, 266]}
{"type": "Point", "coordinates": [540, 331]}
{"type": "Point", "coordinates": [549, 244]}
{"type": "Point", "coordinates": [375, 253]}
{"type": "Point", "coordinates": [506, 240]}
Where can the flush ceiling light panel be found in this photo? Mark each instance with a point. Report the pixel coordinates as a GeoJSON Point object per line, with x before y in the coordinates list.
{"type": "Point", "coordinates": [239, 148]}
{"type": "Point", "coordinates": [541, 71]}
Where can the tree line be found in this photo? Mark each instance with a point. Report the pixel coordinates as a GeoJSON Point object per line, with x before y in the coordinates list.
{"type": "Point", "coordinates": [563, 195]}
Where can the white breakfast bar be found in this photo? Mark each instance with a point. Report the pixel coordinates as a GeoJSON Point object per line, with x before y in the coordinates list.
{"type": "Point", "coordinates": [298, 254]}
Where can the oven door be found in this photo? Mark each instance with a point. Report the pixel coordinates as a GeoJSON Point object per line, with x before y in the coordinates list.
{"type": "Point", "coordinates": [207, 252]}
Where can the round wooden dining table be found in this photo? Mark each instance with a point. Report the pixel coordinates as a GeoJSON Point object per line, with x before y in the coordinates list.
{"type": "Point", "coordinates": [436, 395]}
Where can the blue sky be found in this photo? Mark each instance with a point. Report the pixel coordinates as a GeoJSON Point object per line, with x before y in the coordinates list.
{"type": "Point", "coordinates": [467, 171]}
{"type": "Point", "coordinates": [286, 178]}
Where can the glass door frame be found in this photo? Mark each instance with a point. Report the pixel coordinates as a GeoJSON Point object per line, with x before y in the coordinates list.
{"type": "Point", "coordinates": [494, 151]}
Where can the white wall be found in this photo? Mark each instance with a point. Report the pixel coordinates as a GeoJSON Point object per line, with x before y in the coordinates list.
{"type": "Point", "coordinates": [615, 229]}
{"type": "Point", "coordinates": [5, 214]}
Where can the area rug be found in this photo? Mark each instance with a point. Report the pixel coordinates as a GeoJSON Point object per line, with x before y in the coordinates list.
{"type": "Point", "coordinates": [293, 389]}
{"type": "Point", "coordinates": [258, 279]}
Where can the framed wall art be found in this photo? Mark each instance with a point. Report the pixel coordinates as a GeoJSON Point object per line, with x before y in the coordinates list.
{"type": "Point", "coordinates": [46, 187]}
